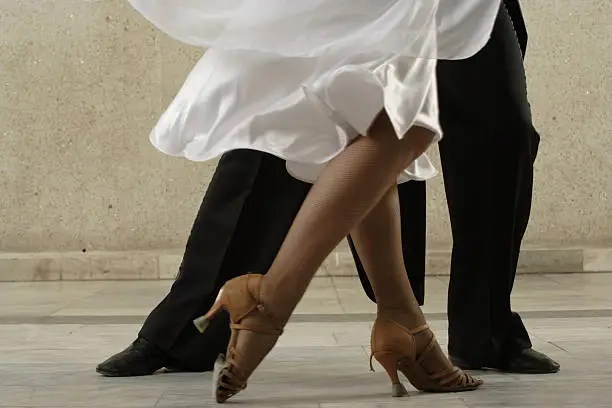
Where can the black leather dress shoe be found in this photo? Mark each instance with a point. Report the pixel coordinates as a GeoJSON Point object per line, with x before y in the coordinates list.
{"type": "Point", "coordinates": [527, 361]}
{"type": "Point", "coordinates": [140, 358]}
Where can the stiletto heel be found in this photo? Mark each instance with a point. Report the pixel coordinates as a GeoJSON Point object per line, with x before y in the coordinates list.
{"type": "Point", "coordinates": [395, 348]}
{"type": "Point", "coordinates": [201, 323]}
{"type": "Point", "coordinates": [240, 298]}
{"type": "Point", "coordinates": [389, 362]}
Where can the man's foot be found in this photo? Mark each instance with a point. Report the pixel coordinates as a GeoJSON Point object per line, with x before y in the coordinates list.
{"type": "Point", "coordinates": [140, 358]}
{"type": "Point", "coordinates": [527, 361]}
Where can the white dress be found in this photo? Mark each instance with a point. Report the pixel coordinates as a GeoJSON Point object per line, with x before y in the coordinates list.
{"type": "Point", "coordinates": [301, 78]}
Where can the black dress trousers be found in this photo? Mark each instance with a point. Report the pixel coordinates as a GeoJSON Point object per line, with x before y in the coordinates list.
{"type": "Point", "coordinates": [487, 157]}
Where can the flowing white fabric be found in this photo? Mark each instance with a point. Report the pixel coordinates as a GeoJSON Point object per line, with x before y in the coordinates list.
{"type": "Point", "coordinates": [310, 28]}
{"type": "Point", "coordinates": [300, 79]}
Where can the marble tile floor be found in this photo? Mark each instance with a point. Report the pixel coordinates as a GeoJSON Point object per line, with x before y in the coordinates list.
{"type": "Point", "coordinates": [52, 334]}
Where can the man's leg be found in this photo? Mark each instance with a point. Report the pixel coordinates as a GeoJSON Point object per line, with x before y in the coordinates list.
{"type": "Point", "coordinates": [487, 163]}
{"type": "Point", "coordinates": [516, 335]}
{"type": "Point", "coordinates": [516, 329]}
{"type": "Point", "coordinates": [250, 193]}
{"type": "Point", "coordinates": [209, 240]}
{"type": "Point", "coordinates": [413, 209]}
{"type": "Point", "coordinates": [267, 215]}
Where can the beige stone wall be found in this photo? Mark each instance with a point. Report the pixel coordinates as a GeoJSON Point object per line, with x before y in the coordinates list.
{"type": "Point", "coordinates": [82, 83]}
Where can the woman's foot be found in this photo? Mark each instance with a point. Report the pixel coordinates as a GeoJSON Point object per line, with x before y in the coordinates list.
{"type": "Point", "coordinates": [254, 333]}
{"type": "Point", "coordinates": [415, 352]}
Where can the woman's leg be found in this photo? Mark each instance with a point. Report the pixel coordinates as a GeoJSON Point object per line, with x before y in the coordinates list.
{"type": "Point", "coordinates": [377, 239]}
{"type": "Point", "coordinates": [413, 206]}
{"type": "Point", "coordinates": [349, 187]}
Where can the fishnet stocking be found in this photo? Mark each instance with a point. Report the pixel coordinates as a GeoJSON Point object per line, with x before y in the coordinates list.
{"type": "Point", "coordinates": [347, 190]}
{"type": "Point", "coordinates": [349, 187]}
{"type": "Point", "coordinates": [377, 239]}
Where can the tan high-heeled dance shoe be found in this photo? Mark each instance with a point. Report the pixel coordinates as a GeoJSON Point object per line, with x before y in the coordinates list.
{"type": "Point", "coordinates": [240, 298]}
{"type": "Point", "coordinates": [394, 347]}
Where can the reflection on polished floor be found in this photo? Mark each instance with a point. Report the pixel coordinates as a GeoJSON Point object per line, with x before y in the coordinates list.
{"type": "Point", "coordinates": [52, 334]}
